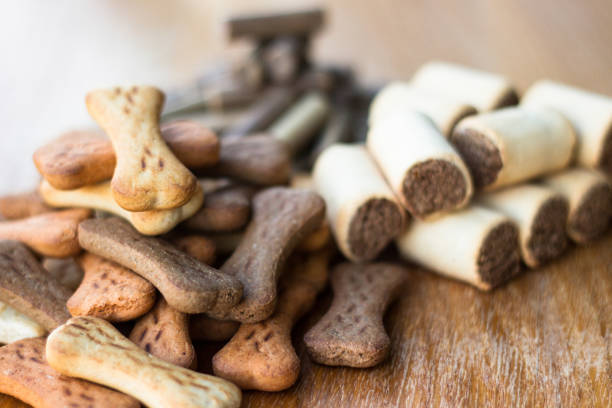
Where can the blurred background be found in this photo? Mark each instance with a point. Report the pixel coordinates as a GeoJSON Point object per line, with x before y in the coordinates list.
{"type": "Point", "coordinates": [54, 52]}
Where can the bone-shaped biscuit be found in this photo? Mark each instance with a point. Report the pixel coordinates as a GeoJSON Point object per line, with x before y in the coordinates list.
{"type": "Point", "coordinates": [164, 332]}
{"type": "Point", "coordinates": [64, 270]}
{"type": "Point", "coordinates": [260, 355]}
{"type": "Point", "coordinates": [15, 325]}
{"type": "Point", "coordinates": [147, 176]}
{"type": "Point", "coordinates": [352, 333]}
{"type": "Point", "coordinates": [188, 285]}
{"type": "Point", "coordinates": [282, 217]}
{"type": "Point", "coordinates": [23, 205]}
{"type": "Point", "coordinates": [225, 209]}
{"type": "Point", "coordinates": [201, 248]}
{"type": "Point", "coordinates": [92, 349]}
{"type": "Point", "coordinates": [110, 291]}
{"type": "Point", "coordinates": [52, 234]}
{"type": "Point", "coordinates": [202, 327]}
{"type": "Point", "coordinates": [258, 159]}
{"type": "Point", "coordinates": [99, 196]}
{"type": "Point", "coordinates": [25, 375]}
{"type": "Point", "coordinates": [27, 287]}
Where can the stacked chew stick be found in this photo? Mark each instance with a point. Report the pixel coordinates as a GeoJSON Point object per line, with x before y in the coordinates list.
{"type": "Point", "coordinates": [149, 234]}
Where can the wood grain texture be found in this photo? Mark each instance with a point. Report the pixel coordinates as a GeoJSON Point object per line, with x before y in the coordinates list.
{"type": "Point", "coordinates": [544, 340]}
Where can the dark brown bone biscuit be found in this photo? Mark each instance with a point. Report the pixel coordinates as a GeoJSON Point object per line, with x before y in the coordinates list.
{"type": "Point", "coordinates": [193, 144]}
{"type": "Point", "coordinates": [225, 209]}
{"type": "Point", "coordinates": [23, 205]}
{"type": "Point", "coordinates": [164, 332]}
{"type": "Point", "coordinates": [201, 248]}
{"type": "Point", "coordinates": [282, 218]}
{"type": "Point", "coordinates": [188, 285]}
{"type": "Point", "coordinates": [352, 333]}
{"type": "Point", "coordinates": [202, 327]}
{"type": "Point", "coordinates": [66, 271]}
{"type": "Point", "coordinates": [25, 375]}
{"type": "Point", "coordinates": [480, 155]}
{"type": "Point", "coordinates": [27, 287]}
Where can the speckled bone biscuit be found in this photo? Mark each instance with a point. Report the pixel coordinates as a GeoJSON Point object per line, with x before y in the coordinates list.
{"type": "Point", "coordinates": [52, 234]}
{"type": "Point", "coordinates": [225, 209]}
{"type": "Point", "coordinates": [282, 217]}
{"type": "Point", "coordinates": [23, 205]}
{"type": "Point", "coordinates": [147, 176]}
{"type": "Point", "coordinates": [164, 332]}
{"type": "Point", "coordinates": [27, 287]}
{"type": "Point", "coordinates": [352, 333]}
{"type": "Point", "coordinates": [187, 285]}
{"type": "Point", "coordinates": [25, 375]}
{"type": "Point", "coordinates": [92, 349]}
{"type": "Point", "coordinates": [257, 159]}
{"type": "Point", "coordinates": [202, 327]}
{"type": "Point", "coordinates": [110, 291]}
{"type": "Point", "coordinates": [99, 196]}
{"type": "Point", "coordinates": [260, 355]}
{"type": "Point", "coordinates": [15, 325]}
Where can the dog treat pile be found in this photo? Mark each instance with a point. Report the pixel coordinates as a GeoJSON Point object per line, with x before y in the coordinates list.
{"type": "Point", "coordinates": [220, 219]}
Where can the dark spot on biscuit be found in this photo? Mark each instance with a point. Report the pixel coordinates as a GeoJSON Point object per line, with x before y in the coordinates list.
{"type": "Point", "coordinates": [144, 332]}
{"type": "Point", "coordinates": [36, 360]}
{"type": "Point", "coordinates": [134, 89]}
{"type": "Point", "coordinates": [148, 347]}
{"type": "Point", "coordinates": [143, 163]}
{"type": "Point", "coordinates": [129, 98]}
{"type": "Point", "coordinates": [104, 275]}
{"type": "Point", "coordinates": [250, 335]}
{"type": "Point", "coordinates": [126, 110]}
{"type": "Point", "coordinates": [268, 336]}
{"type": "Point", "coordinates": [96, 286]}
{"type": "Point", "coordinates": [158, 335]}
{"type": "Point", "coordinates": [117, 91]}
{"type": "Point", "coordinates": [161, 164]}
{"type": "Point", "coordinates": [256, 344]}
{"type": "Point", "coordinates": [155, 318]}
{"type": "Point", "coordinates": [67, 391]}
{"type": "Point", "coordinates": [113, 282]}
{"type": "Point", "coordinates": [20, 355]}
{"type": "Point", "coordinates": [148, 152]}
{"type": "Point", "coordinates": [350, 309]}
{"type": "Point", "coordinates": [86, 397]}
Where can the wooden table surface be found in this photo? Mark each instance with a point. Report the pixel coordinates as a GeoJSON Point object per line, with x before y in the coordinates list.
{"type": "Point", "coordinates": [543, 340]}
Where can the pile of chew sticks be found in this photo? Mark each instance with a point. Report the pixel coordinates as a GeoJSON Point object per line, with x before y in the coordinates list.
{"type": "Point", "coordinates": [151, 233]}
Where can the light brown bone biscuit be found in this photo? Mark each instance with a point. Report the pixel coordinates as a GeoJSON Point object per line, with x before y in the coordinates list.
{"type": "Point", "coordinates": [53, 234]}
{"type": "Point", "coordinates": [201, 248]}
{"type": "Point", "coordinates": [110, 291]}
{"type": "Point", "coordinates": [164, 332]}
{"type": "Point", "coordinates": [92, 349]}
{"type": "Point", "coordinates": [187, 285]}
{"type": "Point", "coordinates": [24, 374]}
{"type": "Point", "coordinates": [260, 356]}
{"type": "Point", "coordinates": [99, 196]}
{"type": "Point", "coordinates": [66, 271]}
{"type": "Point", "coordinates": [257, 159]}
{"type": "Point", "coordinates": [202, 327]}
{"type": "Point", "coordinates": [225, 209]}
{"type": "Point", "coordinates": [282, 217]}
{"type": "Point", "coordinates": [352, 333]}
{"type": "Point", "coordinates": [24, 205]}
{"type": "Point", "coordinates": [27, 287]}
{"type": "Point", "coordinates": [148, 176]}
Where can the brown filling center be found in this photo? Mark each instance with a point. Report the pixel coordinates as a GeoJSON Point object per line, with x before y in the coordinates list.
{"type": "Point", "coordinates": [499, 258]}
{"type": "Point", "coordinates": [433, 185]}
{"type": "Point", "coordinates": [373, 226]}
{"type": "Point", "coordinates": [605, 161]}
{"type": "Point", "coordinates": [510, 98]}
{"type": "Point", "coordinates": [480, 155]}
{"type": "Point", "coordinates": [548, 237]}
{"type": "Point", "coordinates": [592, 217]}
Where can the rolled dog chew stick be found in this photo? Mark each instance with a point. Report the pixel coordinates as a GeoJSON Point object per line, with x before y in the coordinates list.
{"type": "Point", "coordinates": [514, 144]}
{"type": "Point", "coordinates": [541, 215]}
{"type": "Point", "coordinates": [445, 113]}
{"type": "Point", "coordinates": [362, 211]}
{"type": "Point", "coordinates": [99, 196]}
{"type": "Point", "coordinates": [50, 234]}
{"type": "Point", "coordinates": [422, 167]}
{"type": "Point", "coordinates": [590, 201]}
{"type": "Point", "coordinates": [476, 245]}
{"type": "Point", "coordinates": [202, 327]}
{"type": "Point", "coordinates": [23, 205]}
{"type": "Point", "coordinates": [589, 113]}
{"type": "Point", "coordinates": [483, 90]}
{"type": "Point", "coordinates": [15, 325]}
{"type": "Point", "coordinates": [297, 126]}
{"type": "Point", "coordinates": [27, 287]}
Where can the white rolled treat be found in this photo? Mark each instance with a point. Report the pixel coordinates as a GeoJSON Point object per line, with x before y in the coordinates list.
{"type": "Point", "coordinates": [475, 245]}
{"type": "Point", "coordinates": [514, 144]}
{"type": "Point", "coordinates": [16, 326]}
{"type": "Point", "coordinates": [444, 112]}
{"type": "Point", "coordinates": [589, 194]}
{"type": "Point", "coordinates": [541, 215]}
{"type": "Point", "coordinates": [589, 113]}
{"type": "Point", "coordinates": [483, 90]}
{"type": "Point", "coordinates": [298, 125]}
{"type": "Point", "coordinates": [362, 211]}
{"type": "Point", "coordinates": [422, 167]}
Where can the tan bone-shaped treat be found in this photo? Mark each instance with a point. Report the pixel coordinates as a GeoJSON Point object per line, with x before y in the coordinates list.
{"type": "Point", "coordinates": [52, 234]}
{"type": "Point", "coordinates": [352, 333]}
{"type": "Point", "coordinates": [260, 355]}
{"type": "Point", "coordinates": [27, 287]}
{"type": "Point", "coordinates": [110, 291]}
{"type": "Point", "coordinates": [187, 285]}
{"type": "Point", "coordinates": [164, 332]}
{"type": "Point", "coordinates": [99, 196]}
{"type": "Point", "coordinates": [202, 327]}
{"type": "Point", "coordinates": [147, 176]}
{"type": "Point", "coordinates": [201, 248]}
{"type": "Point", "coordinates": [92, 349]}
{"type": "Point", "coordinates": [23, 205]}
{"type": "Point", "coordinates": [282, 217]}
{"type": "Point", "coordinates": [15, 326]}
{"type": "Point", "coordinates": [24, 374]}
